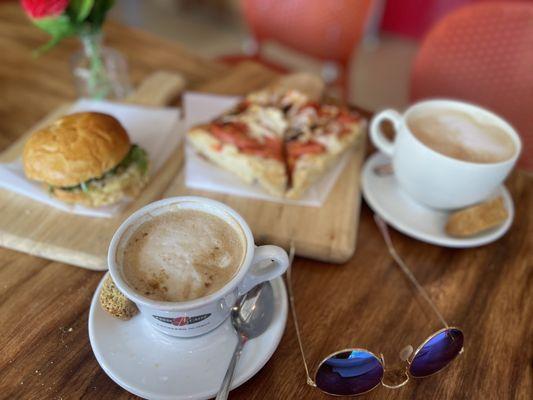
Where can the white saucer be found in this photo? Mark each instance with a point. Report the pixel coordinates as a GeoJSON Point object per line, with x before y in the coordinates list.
{"type": "Point", "coordinates": [385, 197]}
{"type": "Point", "coordinates": [156, 366]}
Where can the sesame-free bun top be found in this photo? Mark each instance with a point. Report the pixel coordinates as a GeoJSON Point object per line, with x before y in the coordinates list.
{"type": "Point", "coordinates": [75, 148]}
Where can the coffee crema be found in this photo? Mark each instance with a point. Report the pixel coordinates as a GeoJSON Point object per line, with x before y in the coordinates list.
{"type": "Point", "coordinates": [458, 135]}
{"type": "Point", "coordinates": [182, 255]}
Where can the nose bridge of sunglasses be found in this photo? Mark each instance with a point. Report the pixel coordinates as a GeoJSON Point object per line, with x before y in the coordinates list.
{"type": "Point", "coordinates": [395, 377]}
{"type": "Point", "coordinates": [406, 352]}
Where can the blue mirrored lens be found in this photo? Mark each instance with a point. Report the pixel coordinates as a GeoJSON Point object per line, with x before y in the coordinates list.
{"type": "Point", "coordinates": [349, 373]}
{"type": "Point", "coordinates": [438, 352]}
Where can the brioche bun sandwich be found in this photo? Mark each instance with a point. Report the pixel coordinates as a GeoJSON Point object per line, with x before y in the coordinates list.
{"type": "Point", "coordinates": [86, 158]}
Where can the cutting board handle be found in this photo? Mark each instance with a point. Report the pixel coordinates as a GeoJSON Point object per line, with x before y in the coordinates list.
{"type": "Point", "coordinates": [158, 89]}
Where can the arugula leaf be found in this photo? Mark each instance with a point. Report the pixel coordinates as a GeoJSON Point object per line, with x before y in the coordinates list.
{"type": "Point", "coordinates": [136, 155]}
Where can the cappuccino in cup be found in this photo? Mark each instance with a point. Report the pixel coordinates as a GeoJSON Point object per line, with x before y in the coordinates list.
{"type": "Point", "coordinates": [447, 154]}
{"type": "Point", "coordinates": [460, 135]}
{"type": "Point", "coordinates": [184, 261]}
{"type": "Point", "coordinates": [182, 255]}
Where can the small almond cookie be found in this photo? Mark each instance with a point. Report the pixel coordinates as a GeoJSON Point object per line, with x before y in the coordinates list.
{"type": "Point", "coordinates": [114, 302]}
{"type": "Point", "coordinates": [475, 219]}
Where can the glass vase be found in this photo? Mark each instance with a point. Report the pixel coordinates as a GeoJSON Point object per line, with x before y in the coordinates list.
{"type": "Point", "coordinates": [99, 72]}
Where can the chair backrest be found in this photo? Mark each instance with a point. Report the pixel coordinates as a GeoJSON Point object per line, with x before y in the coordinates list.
{"type": "Point", "coordinates": [327, 30]}
{"type": "Point", "coordinates": [483, 53]}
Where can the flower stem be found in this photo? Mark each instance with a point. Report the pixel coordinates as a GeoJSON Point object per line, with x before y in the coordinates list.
{"type": "Point", "coordinates": [98, 82]}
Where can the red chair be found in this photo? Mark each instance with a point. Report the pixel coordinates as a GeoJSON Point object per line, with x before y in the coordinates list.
{"type": "Point", "coordinates": [327, 30]}
{"type": "Point", "coordinates": [483, 53]}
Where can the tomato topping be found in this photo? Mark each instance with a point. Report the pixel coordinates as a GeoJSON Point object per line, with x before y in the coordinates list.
{"type": "Point", "coordinates": [274, 146]}
{"type": "Point", "coordinates": [232, 132]}
{"type": "Point", "coordinates": [270, 148]}
{"type": "Point", "coordinates": [346, 117]}
{"type": "Point", "coordinates": [297, 149]}
{"type": "Point", "coordinates": [236, 133]}
{"type": "Point", "coordinates": [242, 106]}
{"type": "Point", "coordinates": [313, 104]}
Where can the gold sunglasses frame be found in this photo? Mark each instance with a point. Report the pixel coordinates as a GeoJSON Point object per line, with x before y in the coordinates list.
{"type": "Point", "coordinates": [384, 231]}
{"type": "Point", "coordinates": [381, 360]}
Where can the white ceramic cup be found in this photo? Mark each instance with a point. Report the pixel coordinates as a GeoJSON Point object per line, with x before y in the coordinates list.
{"type": "Point", "coordinates": [432, 178]}
{"type": "Point", "coordinates": [198, 316]}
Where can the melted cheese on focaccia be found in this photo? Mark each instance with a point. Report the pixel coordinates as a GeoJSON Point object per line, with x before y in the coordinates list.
{"type": "Point", "coordinates": [326, 133]}
{"type": "Point", "coordinates": [330, 142]}
{"type": "Point", "coordinates": [327, 138]}
{"type": "Point", "coordinates": [303, 119]}
{"type": "Point", "coordinates": [261, 121]}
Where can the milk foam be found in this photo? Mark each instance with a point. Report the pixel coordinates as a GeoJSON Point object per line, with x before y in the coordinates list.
{"type": "Point", "coordinates": [459, 135]}
{"type": "Point", "coordinates": [182, 255]}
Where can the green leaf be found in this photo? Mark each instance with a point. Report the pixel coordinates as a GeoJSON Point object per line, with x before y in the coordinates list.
{"type": "Point", "coordinates": [99, 11]}
{"type": "Point", "coordinates": [80, 9]}
{"type": "Point", "coordinates": [138, 156]}
{"type": "Point", "coordinates": [46, 47]}
{"type": "Point", "coordinates": [58, 27]}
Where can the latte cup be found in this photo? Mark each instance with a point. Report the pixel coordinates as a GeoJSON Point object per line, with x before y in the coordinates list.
{"type": "Point", "coordinates": [432, 178]}
{"type": "Point", "coordinates": [197, 316]}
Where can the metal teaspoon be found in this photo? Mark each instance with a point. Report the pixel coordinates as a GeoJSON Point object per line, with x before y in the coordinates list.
{"type": "Point", "coordinates": [250, 317]}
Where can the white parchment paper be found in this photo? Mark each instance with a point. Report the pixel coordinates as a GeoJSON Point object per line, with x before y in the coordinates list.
{"type": "Point", "coordinates": [157, 130]}
{"type": "Point", "coordinates": [201, 174]}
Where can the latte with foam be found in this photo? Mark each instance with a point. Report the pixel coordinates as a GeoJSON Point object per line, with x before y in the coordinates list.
{"type": "Point", "coordinates": [182, 255]}
{"type": "Point", "coordinates": [459, 135]}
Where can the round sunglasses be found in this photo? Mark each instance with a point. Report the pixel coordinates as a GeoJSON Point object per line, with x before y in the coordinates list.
{"type": "Point", "coordinates": [352, 372]}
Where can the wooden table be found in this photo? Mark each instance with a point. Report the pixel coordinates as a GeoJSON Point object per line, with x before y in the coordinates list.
{"type": "Point", "coordinates": [44, 346]}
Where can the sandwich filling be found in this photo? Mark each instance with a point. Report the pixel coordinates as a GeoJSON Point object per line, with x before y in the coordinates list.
{"type": "Point", "coordinates": [131, 171]}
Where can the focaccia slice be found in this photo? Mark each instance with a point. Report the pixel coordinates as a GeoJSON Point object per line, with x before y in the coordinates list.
{"type": "Point", "coordinates": [248, 142]}
{"type": "Point", "coordinates": [318, 137]}
{"type": "Point", "coordinates": [280, 139]}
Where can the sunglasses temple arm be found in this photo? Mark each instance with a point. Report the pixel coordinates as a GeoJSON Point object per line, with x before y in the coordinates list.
{"type": "Point", "coordinates": [294, 318]}
{"type": "Point", "coordinates": [405, 269]}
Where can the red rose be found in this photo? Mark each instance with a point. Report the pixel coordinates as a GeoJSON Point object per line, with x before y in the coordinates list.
{"type": "Point", "coordinates": [44, 8]}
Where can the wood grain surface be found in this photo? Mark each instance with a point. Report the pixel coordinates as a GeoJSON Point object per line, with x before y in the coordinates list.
{"type": "Point", "coordinates": [487, 291]}
{"type": "Point", "coordinates": [327, 233]}
{"type": "Point", "coordinates": [75, 239]}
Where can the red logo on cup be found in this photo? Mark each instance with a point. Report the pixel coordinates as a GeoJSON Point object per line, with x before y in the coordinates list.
{"type": "Point", "coordinates": [180, 321]}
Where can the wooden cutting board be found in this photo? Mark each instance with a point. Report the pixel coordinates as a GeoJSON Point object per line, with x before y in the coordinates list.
{"type": "Point", "coordinates": [38, 229]}
{"type": "Point", "coordinates": [327, 233]}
